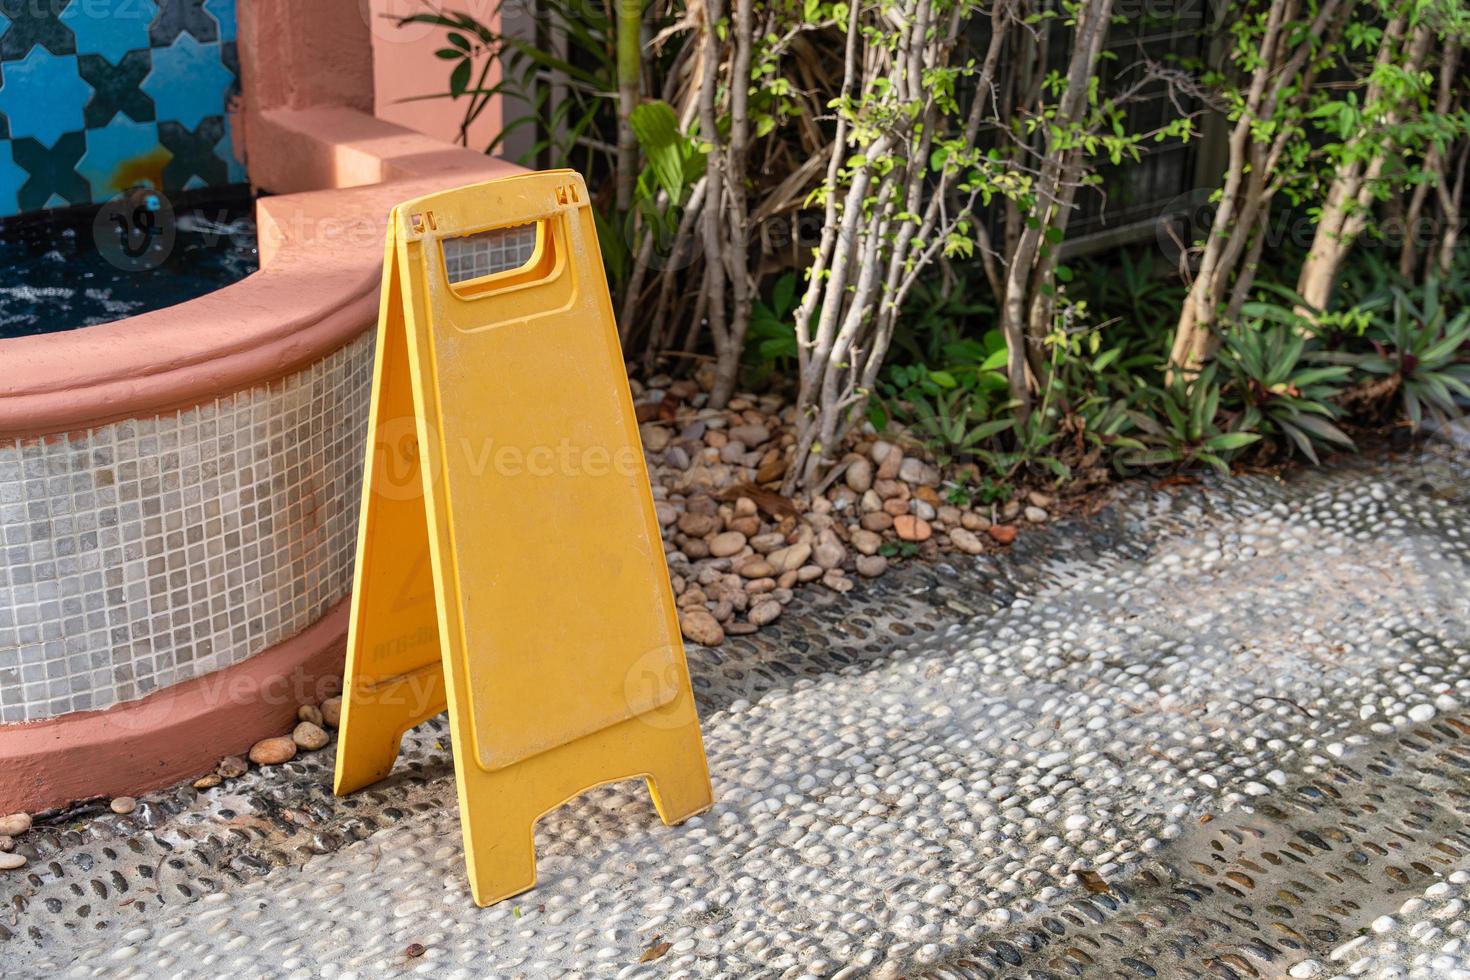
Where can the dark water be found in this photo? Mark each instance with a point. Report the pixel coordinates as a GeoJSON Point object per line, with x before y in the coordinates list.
{"type": "Point", "coordinates": [78, 269]}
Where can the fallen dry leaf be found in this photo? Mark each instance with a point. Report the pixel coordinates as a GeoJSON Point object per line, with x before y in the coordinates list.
{"type": "Point", "coordinates": [654, 952]}
{"type": "Point", "coordinates": [1177, 480]}
{"type": "Point", "coordinates": [769, 501]}
{"type": "Point", "coordinates": [1093, 882]}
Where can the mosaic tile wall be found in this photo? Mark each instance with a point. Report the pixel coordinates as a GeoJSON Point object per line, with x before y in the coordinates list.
{"type": "Point", "coordinates": [146, 552]}
{"type": "Point", "coordinates": [98, 96]}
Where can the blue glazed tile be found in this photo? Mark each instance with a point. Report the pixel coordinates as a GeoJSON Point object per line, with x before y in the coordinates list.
{"type": "Point", "coordinates": [11, 177]}
{"type": "Point", "coordinates": [122, 155]}
{"type": "Point", "coordinates": [223, 11]}
{"type": "Point", "coordinates": [31, 24]}
{"type": "Point", "coordinates": [110, 28]}
{"type": "Point", "coordinates": [179, 17]}
{"type": "Point", "coordinates": [53, 180]}
{"type": "Point", "coordinates": [43, 116]}
{"type": "Point", "coordinates": [189, 81]}
{"type": "Point", "coordinates": [195, 162]}
{"type": "Point", "coordinates": [116, 87]}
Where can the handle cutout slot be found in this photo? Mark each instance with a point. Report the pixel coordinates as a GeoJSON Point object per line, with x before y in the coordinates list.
{"type": "Point", "coordinates": [492, 260]}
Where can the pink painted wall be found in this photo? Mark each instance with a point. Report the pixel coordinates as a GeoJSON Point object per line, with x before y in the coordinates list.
{"type": "Point", "coordinates": [404, 65]}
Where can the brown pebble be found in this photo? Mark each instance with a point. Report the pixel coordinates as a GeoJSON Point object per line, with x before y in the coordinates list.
{"type": "Point", "coordinates": [965, 540]}
{"type": "Point", "coordinates": [973, 521]}
{"type": "Point", "coordinates": [726, 544]}
{"type": "Point", "coordinates": [764, 612]}
{"type": "Point", "coordinates": [871, 566]}
{"type": "Point", "coordinates": [836, 581]}
{"type": "Point", "coordinates": [15, 824]}
{"type": "Point", "coordinates": [123, 805]}
{"type": "Point", "coordinates": [11, 862]}
{"type": "Point", "coordinates": [878, 520]}
{"type": "Point", "coordinates": [273, 751]}
{"type": "Point", "coordinates": [332, 711]}
{"type": "Point", "coordinates": [309, 712]}
{"type": "Point", "coordinates": [309, 736]}
{"type": "Point", "coordinates": [208, 781]}
{"type": "Point", "coordinates": [698, 625]}
{"type": "Point", "coordinates": [231, 766]}
{"type": "Point", "coordinates": [912, 528]}
{"type": "Point", "coordinates": [759, 568]}
{"type": "Point", "coordinates": [1002, 533]}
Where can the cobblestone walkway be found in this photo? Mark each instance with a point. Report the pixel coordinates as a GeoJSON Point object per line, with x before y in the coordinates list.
{"type": "Point", "coordinates": [1219, 732]}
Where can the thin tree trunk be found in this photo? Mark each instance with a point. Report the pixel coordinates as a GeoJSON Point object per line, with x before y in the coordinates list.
{"type": "Point", "coordinates": [736, 252]}
{"type": "Point", "coordinates": [630, 71]}
{"type": "Point", "coordinates": [1349, 198]}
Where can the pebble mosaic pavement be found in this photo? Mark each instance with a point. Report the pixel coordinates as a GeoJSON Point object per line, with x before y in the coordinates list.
{"type": "Point", "coordinates": [1219, 732]}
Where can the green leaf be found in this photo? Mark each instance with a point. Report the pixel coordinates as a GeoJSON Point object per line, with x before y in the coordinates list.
{"type": "Point", "coordinates": [657, 129]}
{"type": "Point", "coordinates": [1229, 441]}
{"type": "Point", "coordinates": [459, 79]}
{"type": "Point", "coordinates": [996, 361]}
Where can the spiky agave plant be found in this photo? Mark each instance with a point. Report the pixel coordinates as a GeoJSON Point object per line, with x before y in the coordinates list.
{"type": "Point", "coordinates": [1421, 353]}
{"type": "Point", "coordinates": [1282, 391]}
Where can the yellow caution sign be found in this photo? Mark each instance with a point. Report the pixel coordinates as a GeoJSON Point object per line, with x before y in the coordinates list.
{"type": "Point", "coordinates": [509, 564]}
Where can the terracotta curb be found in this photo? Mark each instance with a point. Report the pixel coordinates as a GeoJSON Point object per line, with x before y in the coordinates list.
{"type": "Point", "coordinates": [174, 733]}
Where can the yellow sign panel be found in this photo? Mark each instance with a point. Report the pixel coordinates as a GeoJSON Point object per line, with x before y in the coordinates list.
{"type": "Point", "coordinates": [509, 563]}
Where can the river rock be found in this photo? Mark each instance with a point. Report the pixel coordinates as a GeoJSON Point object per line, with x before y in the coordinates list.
{"type": "Point", "coordinates": [790, 558]}
{"type": "Point", "coordinates": [726, 544]}
{"type": "Point", "coordinates": [757, 568]}
{"type": "Point", "coordinates": [655, 437]}
{"type": "Point", "coordinates": [835, 580]}
{"type": "Point", "coordinates": [231, 766]}
{"type": "Point", "coordinates": [878, 520]}
{"type": "Point", "coordinates": [764, 612]}
{"type": "Point", "coordinates": [698, 525]}
{"type": "Point", "coordinates": [273, 751]}
{"type": "Point", "coordinates": [123, 805]}
{"type": "Point", "coordinates": [1002, 533]}
{"type": "Point", "coordinates": [15, 824]}
{"type": "Point", "coordinates": [308, 736]}
{"type": "Point", "coordinates": [866, 542]}
{"type": "Point", "coordinates": [829, 554]}
{"type": "Point", "coordinates": [208, 781]}
{"type": "Point", "coordinates": [309, 712]}
{"type": "Point", "coordinates": [871, 566]}
{"type": "Point", "coordinates": [859, 475]}
{"type": "Point", "coordinates": [332, 712]}
{"type": "Point", "coordinates": [973, 521]}
{"type": "Point", "coordinates": [911, 527]}
{"type": "Point", "coordinates": [11, 862]}
{"type": "Point", "coordinates": [698, 625]}
{"type": "Point", "coordinates": [768, 542]}
{"type": "Point", "coordinates": [1036, 515]}
{"type": "Point", "coordinates": [911, 470]}
{"type": "Point", "coordinates": [966, 541]}
{"type": "Point", "coordinates": [751, 435]}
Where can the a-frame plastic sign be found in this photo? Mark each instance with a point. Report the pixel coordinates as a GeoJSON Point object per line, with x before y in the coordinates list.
{"type": "Point", "coordinates": [509, 564]}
